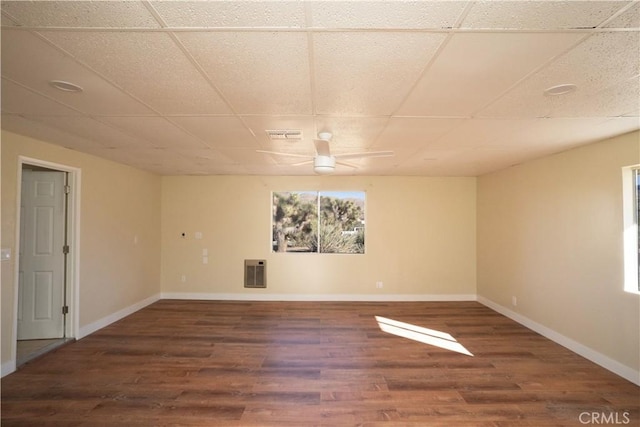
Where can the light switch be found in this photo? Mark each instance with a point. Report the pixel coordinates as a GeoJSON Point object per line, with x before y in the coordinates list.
{"type": "Point", "coordinates": [198, 235]}
{"type": "Point", "coordinates": [205, 260]}
{"type": "Point", "coordinates": [6, 254]}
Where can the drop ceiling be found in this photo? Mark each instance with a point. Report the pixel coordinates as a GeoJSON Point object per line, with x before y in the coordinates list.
{"type": "Point", "coordinates": [454, 88]}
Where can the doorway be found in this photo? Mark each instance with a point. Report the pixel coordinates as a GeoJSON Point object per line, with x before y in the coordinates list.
{"type": "Point", "coordinates": [44, 288]}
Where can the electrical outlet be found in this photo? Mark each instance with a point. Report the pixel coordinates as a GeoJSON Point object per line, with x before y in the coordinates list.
{"type": "Point", "coordinates": [379, 285]}
{"type": "Point", "coordinates": [514, 301]}
{"type": "Point", "coordinates": [183, 279]}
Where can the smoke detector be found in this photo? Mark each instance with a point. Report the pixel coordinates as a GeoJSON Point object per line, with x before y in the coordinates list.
{"type": "Point", "coordinates": [65, 86]}
{"type": "Point", "coordinates": [562, 89]}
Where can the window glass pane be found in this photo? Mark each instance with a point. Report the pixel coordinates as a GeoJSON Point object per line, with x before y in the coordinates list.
{"type": "Point", "coordinates": [295, 221]}
{"type": "Point", "coordinates": [342, 222]}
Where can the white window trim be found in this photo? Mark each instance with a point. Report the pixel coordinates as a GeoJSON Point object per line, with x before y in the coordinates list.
{"type": "Point", "coordinates": [630, 231]}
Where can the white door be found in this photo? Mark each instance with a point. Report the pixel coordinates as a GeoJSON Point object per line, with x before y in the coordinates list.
{"type": "Point", "coordinates": [42, 260]}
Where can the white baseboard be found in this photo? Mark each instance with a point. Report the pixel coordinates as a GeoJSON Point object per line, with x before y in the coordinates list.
{"type": "Point", "coordinates": [8, 368]}
{"type": "Point", "coordinates": [316, 297]}
{"type": "Point", "coordinates": [588, 353]}
{"type": "Point", "coordinates": [114, 317]}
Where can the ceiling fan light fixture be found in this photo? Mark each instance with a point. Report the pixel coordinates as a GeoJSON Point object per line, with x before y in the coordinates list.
{"type": "Point", "coordinates": [324, 165]}
{"type": "Point", "coordinates": [325, 136]}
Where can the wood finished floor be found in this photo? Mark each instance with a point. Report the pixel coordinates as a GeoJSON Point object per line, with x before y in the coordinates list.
{"type": "Point", "coordinates": [209, 363]}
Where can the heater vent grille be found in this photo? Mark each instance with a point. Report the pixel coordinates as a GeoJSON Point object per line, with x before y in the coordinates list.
{"type": "Point", "coordinates": [284, 134]}
{"type": "Point", "coordinates": [255, 273]}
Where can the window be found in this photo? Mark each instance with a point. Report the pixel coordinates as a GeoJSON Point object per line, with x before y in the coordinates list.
{"type": "Point", "coordinates": [318, 222]}
{"type": "Point", "coordinates": [631, 199]}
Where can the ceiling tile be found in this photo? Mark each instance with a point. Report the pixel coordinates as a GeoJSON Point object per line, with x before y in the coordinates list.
{"type": "Point", "coordinates": [385, 14]}
{"type": "Point", "coordinates": [248, 157]}
{"type": "Point", "coordinates": [427, 161]}
{"type": "Point", "coordinates": [474, 68]}
{"type": "Point", "coordinates": [91, 129]}
{"type": "Point", "coordinates": [45, 63]}
{"type": "Point", "coordinates": [617, 126]}
{"type": "Point", "coordinates": [157, 160]}
{"type": "Point", "coordinates": [218, 132]}
{"type": "Point", "coordinates": [368, 72]}
{"type": "Point", "coordinates": [600, 62]}
{"type": "Point", "coordinates": [479, 161]}
{"type": "Point", "coordinates": [628, 19]}
{"type": "Point", "coordinates": [612, 101]}
{"type": "Point", "coordinates": [217, 14]}
{"type": "Point", "coordinates": [206, 157]}
{"type": "Point", "coordinates": [147, 65]}
{"type": "Point", "coordinates": [44, 132]}
{"type": "Point", "coordinates": [80, 13]}
{"type": "Point", "coordinates": [558, 134]}
{"type": "Point", "coordinates": [158, 131]}
{"type": "Point", "coordinates": [279, 170]}
{"type": "Point", "coordinates": [481, 133]}
{"type": "Point", "coordinates": [17, 99]}
{"type": "Point", "coordinates": [540, 138]}
{"type": "Point", "coordinates": [540, 14]}
{"type": "Point", "coordinates": [414, 132]}
{"type": "Point", "coordinates": [466, 161]}
{"type": "Point", "coordinates": [7, 22]}
{"type": "Point", "coordinates": [258, 73]}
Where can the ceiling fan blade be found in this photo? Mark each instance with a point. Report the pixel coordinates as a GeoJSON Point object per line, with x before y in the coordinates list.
{"type": "Point", "coordinates": [306, 162]}
{"type": "Point", "coordinates": [365, 154]}
{"type": "Point", "coordinates": [349, 165]}
{"type": "Point", "coordinates": [304, 156]}
{"type": "Point", "coordinates": [322, 147]}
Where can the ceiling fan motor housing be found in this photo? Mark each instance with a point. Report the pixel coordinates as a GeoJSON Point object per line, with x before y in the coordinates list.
{"type": "Point", "coordinates": [324, 164]}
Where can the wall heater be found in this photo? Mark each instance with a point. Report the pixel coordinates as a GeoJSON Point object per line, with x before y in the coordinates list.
{"type": "Point", "coordinates": [255, 273]}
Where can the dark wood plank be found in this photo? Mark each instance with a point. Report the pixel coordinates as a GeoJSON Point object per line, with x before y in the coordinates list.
{"type": "Point", "coordinates": [200, 363]}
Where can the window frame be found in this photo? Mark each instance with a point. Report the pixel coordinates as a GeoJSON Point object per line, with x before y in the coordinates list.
{"type": "Point", "coordinates": [631, 231]}
{"type": "Point", "coordinates": [319, 196]}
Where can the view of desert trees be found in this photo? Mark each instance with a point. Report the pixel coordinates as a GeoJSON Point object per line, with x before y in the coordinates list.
{"type": "Point", "coordinates": [325, 222]}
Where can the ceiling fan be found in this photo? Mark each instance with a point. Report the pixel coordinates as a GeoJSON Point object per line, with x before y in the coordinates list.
{"type": "Point", "coordinates": [324, 162]}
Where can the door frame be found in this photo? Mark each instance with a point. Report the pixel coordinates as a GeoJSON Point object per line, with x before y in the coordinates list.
{"type": "Point", "coordinates": [72, 285]}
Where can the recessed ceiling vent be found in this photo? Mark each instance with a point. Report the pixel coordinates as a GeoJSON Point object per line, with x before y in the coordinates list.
{"type": "Point", "coordinates": [284, 134]}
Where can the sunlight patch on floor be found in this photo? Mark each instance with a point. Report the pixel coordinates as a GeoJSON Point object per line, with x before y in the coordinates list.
{"type": "Point", "coordinates": [420, 334]}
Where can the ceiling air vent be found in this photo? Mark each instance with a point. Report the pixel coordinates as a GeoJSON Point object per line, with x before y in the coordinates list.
{"type": "Point", "coordinates": [284, 134]}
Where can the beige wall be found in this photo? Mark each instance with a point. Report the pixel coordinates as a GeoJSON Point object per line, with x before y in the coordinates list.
{"type": "Point", "coordinates": [420, 237]}
{"type": "Point", "coordinates": [118, 203]}
{"type": "Point", "coordinates": [550, 234]}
